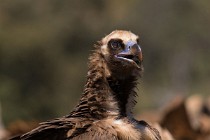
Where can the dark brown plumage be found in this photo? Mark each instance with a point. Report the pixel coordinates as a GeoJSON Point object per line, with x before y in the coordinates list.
{"type": "Point", "coordinates": [104, 110]}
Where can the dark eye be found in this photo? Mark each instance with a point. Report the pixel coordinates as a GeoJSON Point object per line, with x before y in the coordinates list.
{"type": "Point", "coordinates": [116, 45]}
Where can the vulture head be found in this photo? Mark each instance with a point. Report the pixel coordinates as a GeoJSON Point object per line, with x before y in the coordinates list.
{"type": "Point", "coordinates": [122, 54]}
{"type": "Point", "coordinates": [116, 65]}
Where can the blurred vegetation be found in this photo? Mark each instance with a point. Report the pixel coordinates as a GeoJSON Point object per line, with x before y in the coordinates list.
{"type": "Point", "coordinates": [44, 48]}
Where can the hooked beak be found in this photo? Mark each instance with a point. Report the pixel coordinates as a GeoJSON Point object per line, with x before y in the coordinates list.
{"type": "Point", "coordinates": [133, 54]}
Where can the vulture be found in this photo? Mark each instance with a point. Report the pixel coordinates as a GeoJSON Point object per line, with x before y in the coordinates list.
{"type": "Point", "coordinates": [104, 111]}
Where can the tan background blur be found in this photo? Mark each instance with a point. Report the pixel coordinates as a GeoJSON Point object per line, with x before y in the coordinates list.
{"type": "Point", "coordinates": [44, 48]}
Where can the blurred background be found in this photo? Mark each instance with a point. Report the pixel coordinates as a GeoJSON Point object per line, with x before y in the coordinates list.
{"type": "Point", "coordinates": [45, 44]}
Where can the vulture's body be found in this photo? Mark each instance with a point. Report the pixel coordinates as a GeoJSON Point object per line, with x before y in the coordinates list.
{"type": "Point", "coordinates": [104, 110]}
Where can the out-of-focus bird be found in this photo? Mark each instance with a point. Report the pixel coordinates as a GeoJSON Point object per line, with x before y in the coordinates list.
{"type": "Point", "coordinates": [104, 111]}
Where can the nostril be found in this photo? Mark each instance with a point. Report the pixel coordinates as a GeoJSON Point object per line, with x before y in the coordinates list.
{"type": "Point", "coordinates": [135, 47]}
